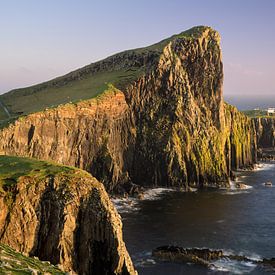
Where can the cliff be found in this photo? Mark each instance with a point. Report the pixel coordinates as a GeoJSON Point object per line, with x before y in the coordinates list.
{"type": "Point", "coordinates": [167, 124]}
{"type": "Point", "coordinates": [265, 129]}
{"type": "Point", "coordinates": [62, 215]}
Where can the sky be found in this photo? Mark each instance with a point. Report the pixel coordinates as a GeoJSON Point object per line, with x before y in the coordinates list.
{"type": "Point", "coordinates": [41, 40]}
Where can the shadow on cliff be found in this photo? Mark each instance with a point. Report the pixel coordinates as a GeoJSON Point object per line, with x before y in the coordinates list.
{"type": "Point", "coordinates": [94, 241]}
{"type": "Point", "coordinates": [50, 213]}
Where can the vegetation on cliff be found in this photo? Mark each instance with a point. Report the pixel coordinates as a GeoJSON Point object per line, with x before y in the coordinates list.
{"type": "Point", "coordinates": [166, 125]}
{"type": "Point", "coordinates": [12, 262]}
{"type": "Point", "coordinates": [62, 215]}
{"type": "Point", "coordinates": [89, 81]}
{"type": "Point", "coordinates": [265, 129]}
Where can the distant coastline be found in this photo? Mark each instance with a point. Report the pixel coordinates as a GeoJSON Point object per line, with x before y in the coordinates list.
{"type": "Point", "coordinates": [249, 102]}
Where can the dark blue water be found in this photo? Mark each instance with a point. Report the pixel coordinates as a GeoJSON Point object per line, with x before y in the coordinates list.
{"type": "Point", "coordinates": [240, 222]}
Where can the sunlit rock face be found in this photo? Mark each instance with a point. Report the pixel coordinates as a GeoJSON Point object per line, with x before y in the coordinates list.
{"type": "Point", "coordinates": [170, 126]}
{"type": "Point", "coordinates": [64, 217]}
{"type": "Point", "coordinates": [265, 128]}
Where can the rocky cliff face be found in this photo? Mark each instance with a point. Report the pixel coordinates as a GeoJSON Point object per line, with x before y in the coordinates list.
{"type": "Point", "coordinates": [168, 127]}
{"type": "Point", "coordinates": [265, 128]}
{"type": "Point", "coordinates": [62, 216]}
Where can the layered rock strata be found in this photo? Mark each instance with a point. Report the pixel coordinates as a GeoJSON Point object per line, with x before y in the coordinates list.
{"type": "Point", "coordinates": [265, 129]}
{"type": "Point", "coordinates": [168, 127]}
{"type": "Point", "coordinates": [63, 216]}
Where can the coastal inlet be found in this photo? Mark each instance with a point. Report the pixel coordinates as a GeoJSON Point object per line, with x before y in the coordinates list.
{"type": "Point", "coordinates": [239, 222]}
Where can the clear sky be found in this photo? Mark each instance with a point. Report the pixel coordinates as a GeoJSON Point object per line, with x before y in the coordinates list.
{"type": "Point", "coordinates": [44, 39]}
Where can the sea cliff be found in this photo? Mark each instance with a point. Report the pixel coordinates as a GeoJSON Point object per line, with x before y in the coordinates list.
{"type": "Point", "coordinates": [167, 125]}
{"type": "Point", "coordinates": [62, 215]}
{"type": "Point", "coordinates": [265, 129]}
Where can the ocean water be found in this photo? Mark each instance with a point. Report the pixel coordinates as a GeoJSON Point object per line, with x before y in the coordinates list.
{"type": "Point", "coordinates": [250, 102]}
{"type": "Point", "coordinates": [237, 221]}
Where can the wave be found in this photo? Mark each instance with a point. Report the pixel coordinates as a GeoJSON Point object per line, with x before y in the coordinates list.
{"type": "Point", "coordinates": [155, 193]}
{"type": "Point", "coordinates": [130, 204]}
{"type": "Point", "coordinates": [143, 259]}
{"type": "Point", "coordinates": [236, 188]}
{"type": "Point", "coordinates": [233, 267]}
{"type": "Point", "coordinates": [264, 166]}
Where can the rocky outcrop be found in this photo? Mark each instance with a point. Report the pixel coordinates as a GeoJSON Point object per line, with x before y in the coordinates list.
{"type": "Point", "coordinates": [168, 127]}
{"type": "Point", "coordinates": [61, 215]}
{"type": "Point", "coordinates": [265, 129]}
{"type": "Point", "coordinates": [94, 135]}
{"type": "Point", "coordinates": [204, 257]}
{"type": "Point", "coordinates": [242, 139]}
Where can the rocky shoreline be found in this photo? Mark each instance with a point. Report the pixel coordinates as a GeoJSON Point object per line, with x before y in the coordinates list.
{"type": "Point", "coordinates": [203, 256]}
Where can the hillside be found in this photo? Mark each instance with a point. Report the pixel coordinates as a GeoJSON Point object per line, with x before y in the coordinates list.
{"type": "Point", "coordinates": [12, 262]}
{"type": "Point", "coordinates": [87, 82]}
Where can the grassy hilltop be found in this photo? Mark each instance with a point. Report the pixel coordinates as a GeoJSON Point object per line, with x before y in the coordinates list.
{"type": "Point", "coordinates": [87, 82]}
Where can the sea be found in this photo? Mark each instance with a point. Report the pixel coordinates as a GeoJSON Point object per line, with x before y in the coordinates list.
{"type": "Point", "coordinates": [250, 102]}
{"type": "Point", "coordinates": [240, 222]}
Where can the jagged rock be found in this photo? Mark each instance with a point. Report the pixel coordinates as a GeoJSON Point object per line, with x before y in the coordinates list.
{"type": "Point", "coordinates": [269, 262]}
{"type": "Point", "coordinates": [268, 184]}
{"type": "Point", "coordinates": [265, 129]}
{"type": "Point", "coordinates": [62, 215]}
{"type": "Point", "coordinates": [169, 126]}
{"type": "Point", "coordinates": [240, 185]}
{"type": "Point", "coordinates": [179, 254]}
{"type": "Point", "coordinates": [202, 256]}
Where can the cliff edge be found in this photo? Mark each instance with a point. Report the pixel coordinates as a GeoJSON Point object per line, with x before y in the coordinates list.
{"type": "Point", "coordinates": [161, 120]}
{"type": "Point", "coordinates": [62, 215]}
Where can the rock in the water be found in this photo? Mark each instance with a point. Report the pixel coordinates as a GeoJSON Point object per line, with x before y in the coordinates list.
{"type": "Point", "coordinates": [269, 262]}
{"type": "Point", "coordinates": [203, 256]}
{"type": "Point", "coordinates": [240, 185]}
{"type": "Point", "coordinates": [186, 255]}
{"type": "Point", "coordinates": [268, 184]}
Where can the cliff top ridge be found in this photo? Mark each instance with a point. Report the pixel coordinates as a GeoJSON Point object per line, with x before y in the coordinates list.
{"type": "Point", "coordinates": [91, 80]}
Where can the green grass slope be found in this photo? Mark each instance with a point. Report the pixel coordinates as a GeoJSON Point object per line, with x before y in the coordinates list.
{"type": "Point", "coordinates": [12, 262]}
{"type": "Point", "coordinates": [11, 168]}
{"type": "Point", "coordinates": [87, 82]}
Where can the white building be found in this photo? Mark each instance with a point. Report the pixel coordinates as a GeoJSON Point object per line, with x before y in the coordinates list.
{"type": "Point", "coordinates": [270, 111]}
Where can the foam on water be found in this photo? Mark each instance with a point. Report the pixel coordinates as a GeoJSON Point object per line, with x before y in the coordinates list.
{"type": "Point", "coordinates": [233, 267]}
{"type": "Point", "coordinates": [125, 205]}
{"type": "Point", "coordinates": [155, 193]}
{"type": "Point", "coordinates": [143, 259]}
{"type": "Point", "coordinates": [234, 190]}
{"type": "Point", "coordinates": [264, 166]}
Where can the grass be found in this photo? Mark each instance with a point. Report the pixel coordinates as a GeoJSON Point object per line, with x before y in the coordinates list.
{"type": "Point", "coordinates": [33, 99]}
{"type": "Point", "coordinates": [12, 262]}
{"type": "Point", "coordinates": [3, 114]}
{"type": "Point", "coordinates": [87, 82]}
{"type": "Point", "coordinates": [11, 168]}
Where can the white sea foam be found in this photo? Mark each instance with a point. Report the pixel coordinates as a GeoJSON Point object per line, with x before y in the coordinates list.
{"type": "Point", "coordinates": [155, 193]}
{"type": "Point", "coordinates": [233, 267]}
{"type": "Point", "coordinates": [143, 259]}
{"type": "Point", "coordinates": [125, 205]}
{"type": "Point", "coordinates": [264, 166]}
{"type": "Point", "coordinates": [234, 190]}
